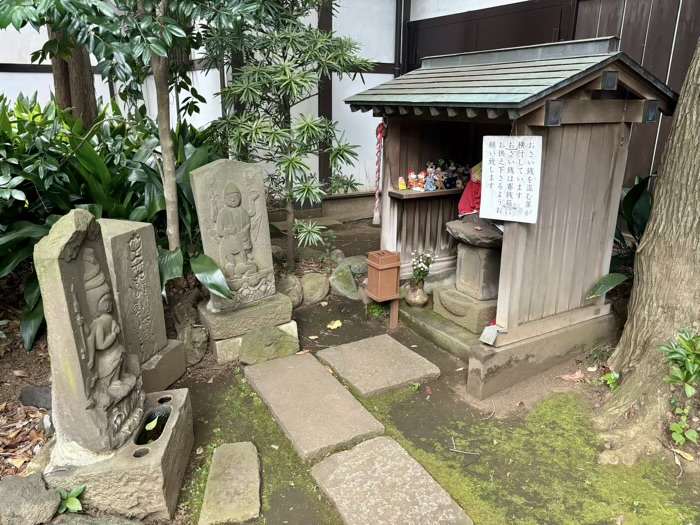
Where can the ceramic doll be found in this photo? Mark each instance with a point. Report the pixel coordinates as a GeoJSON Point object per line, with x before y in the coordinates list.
{"type": "Point", "coordinates": [430, 182]}
{"type": "Point", "coordinates": [420, 183]}
{"type": "Point", "coordinates": [439, 179]}
{"type": "Point", "coordinates": [402, 184]}
{"type": "Point", "coordinates": [412, 180]}
{"type": "Point", "coordinates": [430, 168]}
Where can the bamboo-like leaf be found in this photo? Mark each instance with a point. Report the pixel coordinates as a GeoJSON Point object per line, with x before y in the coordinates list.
{"type": "Point", "coordinates": [170, 264]}
{"type": "Point", "coordinates": [31, 321]}
{"type": "Point", "coordinates": [605, 284]}
{"type": "Point", "coordinates": [211, 276]}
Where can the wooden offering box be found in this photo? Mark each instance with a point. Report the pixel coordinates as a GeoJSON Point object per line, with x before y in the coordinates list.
{"type": "Point", "coordinates": [383, 275]}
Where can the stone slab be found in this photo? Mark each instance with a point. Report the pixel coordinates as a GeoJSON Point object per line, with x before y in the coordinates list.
{"type": "Point", "coordinates": [26, 500]}
{"type": "Point", "coordinates": [478, 271]}
{"type": "Point", "coordinates": [271, 311]}
{"type": "Point", "coordinates": [378, 364]}
{"type": "Point", "coordinates": [138, 481]}
{"type": "Point", "coordinates": [229, 350]}
{"type": "Point", "coordinates": [232, 494]}
{"type": "Point", "coordinates": [378, 482]}
{"type": "Point", "coordinates": [230, 200]}
{"type": "Point", "coordinates": [132, 258]}
{"type": "Point", "coordinates": [316, 412]}
{"type": "Point", "coordinates": [164, 368]}
{"type": "Point", "coordinates": [463, 310]}
{"type": "Point", "coordinates": [492, 369]}
{"type": "Point", "coordinates": [438, 330]}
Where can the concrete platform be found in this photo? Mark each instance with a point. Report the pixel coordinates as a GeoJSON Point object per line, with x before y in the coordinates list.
{"type": "Point", "coordinates": [316, 412]}
{"type": "Point", "coordinates": [438, 330]}
{"type": "Point", "coordinates": [378, 483]}
{"type": "Point", "coordinates": [492, 369]}
{"type": "Point", "coordinates": [232, 494]}
{"type": "Point", "coordinates": [378, 364]}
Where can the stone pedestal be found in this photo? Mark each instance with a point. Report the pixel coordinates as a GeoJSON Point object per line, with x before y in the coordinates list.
{"type": "Point", "coordinates": [271, 311]}
{"type": "Point", "coordinates": [132, 258]}
{"type": "Point", "coordinates": [464, 310]}
{"type": "Point", "coordinates": [139, 480]}
{"type": "Point", "coordinates": [478, 270]}
{"type": "Point", "coordinates": [258, 345]}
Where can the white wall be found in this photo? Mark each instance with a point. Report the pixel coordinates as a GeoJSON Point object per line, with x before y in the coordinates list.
{"type": "Point", "coordinates": [421, 9]}
{"type": "Point", "coordinates": [371, 23]}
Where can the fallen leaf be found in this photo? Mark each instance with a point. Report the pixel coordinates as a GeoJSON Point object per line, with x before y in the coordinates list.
{"type": "Point", "coordinates": [335, 324]}
{"type": "Point", "coordinates": [592, 369]}
{"type": "Point", "coordinates": [459, 369]}
{"type": "Point", "coordinates": [276, 447]}
{"type": "Point", "coordinates": [330, 369]}
{"type": "Point", "coordinates": [20, 373]}
{"type": "Point", "coordinates": [574, 378]}
{"type": "Point", "coordinates": [684, 455]}
{"type": "Point", "coordinates": [313, 337]}
{"type": "Point", "coordinates": [428, 390]}
{"type": "Point", "coordinates": [323, 303]}
{"type": "Point", "coordinates": [521, 403]}
{"type": "Point", "coordinates": [200, 450]}
{"type": "Point", "coordinates": [18, 462]}
{"type": "Point", "coordinates": [414, 346]}
{"type": "Point", "coordinates": [303, 352]}
{"type": "Point", "coordinates": [211, 380]}
{"type": "Point", "coordinates": [620, 520]}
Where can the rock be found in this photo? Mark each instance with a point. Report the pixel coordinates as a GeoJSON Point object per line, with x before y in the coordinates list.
{"type": "Point", "coordinates": [463, 230]}
{"type": "Point", "coordinates": [164, 368]}
{"type": "Point", "coordinates": [36, 396]}
{"type": "Point", "coordinates": [358, 264]}
{"type": "Point", "coordinates": [229, 350]}
{"type": "Point", "coordinates": [236, 235]}
{"type": "Point", "coordinates": [316, 412]}
{"type": "Point", "coordinates": [378, 482]}
{"type": "Point", "coordinates": [315, 287]}
{"type": "Point", "coordinates": [40, 461]}
{"type": "Point", "coordinates": [336, 256]}
{"type": "Point", "coordinates": [342, 282]}
{"type": "Point", "coordinates": [47, 425]}
{"type": "Point", "coordinates": [232, 494]}
{"type": "Point", "coordinates": [27, 501]}
{"type": "Point", "coordinates": [196, 341]}
{"type": "Point", "coordinates": [304, 253]}
{"type": "Point", "coordinates": [290, 285]}
{"type": "Point", "coordinates": [82, 519]}
{"type": "Point", "coordinates": [264, 344]}
{"type": "Point", "coordinates": [278, 253]}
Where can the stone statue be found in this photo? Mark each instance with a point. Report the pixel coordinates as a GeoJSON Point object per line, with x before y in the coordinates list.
{"type": "Point", "coordinates": [233, 227]}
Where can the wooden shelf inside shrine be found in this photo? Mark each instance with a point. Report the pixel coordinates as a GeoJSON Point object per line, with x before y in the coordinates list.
{"type": "Point", "coordinates": [412, 194]}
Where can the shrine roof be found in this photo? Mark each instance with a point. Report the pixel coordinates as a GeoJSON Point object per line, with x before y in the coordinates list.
{"type": "Point", "coordinates": [510, 79]}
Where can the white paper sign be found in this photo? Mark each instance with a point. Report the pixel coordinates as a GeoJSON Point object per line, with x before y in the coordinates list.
{"type": "Point", "coordinates": [511, 170]}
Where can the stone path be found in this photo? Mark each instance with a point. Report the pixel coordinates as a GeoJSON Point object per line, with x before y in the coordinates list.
{"type": "Point", "coordinates": [377, 482]}
{"type": "Point", "coordinates": [378, 364]}
{"type": "Point", "coordinates": [316, 412]}
{"type": "Point", "coordinates": [232, 494]}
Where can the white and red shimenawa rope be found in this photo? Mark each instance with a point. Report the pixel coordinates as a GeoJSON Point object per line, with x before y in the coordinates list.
{"type": "Point", "coordinates": [380, 146]}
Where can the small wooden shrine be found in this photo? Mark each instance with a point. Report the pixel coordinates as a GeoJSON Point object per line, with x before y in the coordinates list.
{"type": "Point", "coordinates": [582, 98]}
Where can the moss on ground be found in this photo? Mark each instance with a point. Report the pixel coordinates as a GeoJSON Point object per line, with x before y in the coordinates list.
{"type": "Point", "coordinates": [287, 485]}
{"type": "Point", "coordinates": [540, 470]}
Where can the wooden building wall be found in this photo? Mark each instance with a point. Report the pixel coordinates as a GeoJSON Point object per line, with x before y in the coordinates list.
{"type": "Point", "coordinates": [547, 268]}
{"type": "Point", "coordinates": [659, 34]}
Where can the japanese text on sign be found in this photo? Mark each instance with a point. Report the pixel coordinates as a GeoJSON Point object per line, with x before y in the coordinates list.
{"type": "Point", "coordinates": [511, 172]}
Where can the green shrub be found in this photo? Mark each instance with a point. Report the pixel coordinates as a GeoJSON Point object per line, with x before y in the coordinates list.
{"type": "Point", "coordinates": [683, 357]}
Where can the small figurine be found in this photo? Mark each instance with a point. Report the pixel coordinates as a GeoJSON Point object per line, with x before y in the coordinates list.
{"type": "Point", "coordinates": [439, 179]}
{"type": "Point", "coordinates": [458, 183]}
{"type": "Point", "coordinates": [430, 168]}
{"type": "Point", "coordinates": [420, 183]}
{"type": "Point", "coordinates": [452, 169]}
{"type": "Point", "coordinates": [402, 184]}
{"type": "Point", "coordinates": [430, 182]}
{"type": "Point", "coordinates": [412, 179]}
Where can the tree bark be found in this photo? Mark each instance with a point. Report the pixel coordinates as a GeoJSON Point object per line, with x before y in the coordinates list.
{"type": "Point", "coordinates": [666, 290]}
{"type": "Point", "coordinates": [74, 83]}
{"type": "Point", "coordinates": [160, 75]}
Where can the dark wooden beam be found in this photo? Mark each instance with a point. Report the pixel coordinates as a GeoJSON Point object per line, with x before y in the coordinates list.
{"type": "Point", "coordinates": [325, 96]}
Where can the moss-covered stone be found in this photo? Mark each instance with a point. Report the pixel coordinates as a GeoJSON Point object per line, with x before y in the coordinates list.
{"type": "Point", "coordinates": [264, 344]}
{"type": "Point", "coordinates": [343, 283]}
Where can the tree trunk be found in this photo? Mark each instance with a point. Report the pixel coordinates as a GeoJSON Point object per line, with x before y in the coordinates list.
{"type": "Point", "coordinates": [289, 200]}
{"type": "Point", "coordinates": [666, 289]}
{"type": "Point", "coordinates": [74, 83]}
{"type": "Point", "coordinates": [160, 75]}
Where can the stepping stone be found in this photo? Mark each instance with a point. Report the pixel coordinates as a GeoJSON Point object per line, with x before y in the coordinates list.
{"type": "Point", "coordinates": [317, 413]}
{"type": "Point", "coordinates": [232, 494]}
{"type": "Point", "coordinates": [378, 364]}
{"type": "Point", "coordinates": [377, 482]}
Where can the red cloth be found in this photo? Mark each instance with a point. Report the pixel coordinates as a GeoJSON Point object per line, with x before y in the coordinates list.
{"type": "Point", "coordinates": [471, 198]}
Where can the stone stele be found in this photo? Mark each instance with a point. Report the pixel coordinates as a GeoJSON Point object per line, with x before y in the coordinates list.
{"type": "Point", "coordinates": [230, 200]}
{"type": "Point", "coordinates": [132, 259]}
{"type": "Point", "coordinates": [97, 393]}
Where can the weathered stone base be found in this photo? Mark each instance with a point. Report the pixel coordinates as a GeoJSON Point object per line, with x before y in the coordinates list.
{"type": "Point", "coordinates": [233, 486]}
{"type": "Point", "coordinates": [141, 481]}
{"type": "Point", "coordinates": [494, 369]}
{"type": "Point", "coordinates": [229, 350]}
{"type": "Point", "coordinates": [463, 310]}
{"type": "Point", "coordinates": [478, 271]}
{"type": "Point", "coordinates": [271, 311]}
{"type": "Point", "coordinates": [164, 368]}
{"type": "Point", "coordinates": [438, 330]}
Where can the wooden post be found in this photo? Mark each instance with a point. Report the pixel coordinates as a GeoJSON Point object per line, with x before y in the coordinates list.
{"type": "Point", "coordinates": [394, 314]}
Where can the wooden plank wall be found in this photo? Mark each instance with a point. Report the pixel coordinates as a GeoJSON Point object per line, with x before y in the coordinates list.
{"type": "Point", "coordinates": [662, 36]}
{"type": "Point", "coordinates": [564, 252]}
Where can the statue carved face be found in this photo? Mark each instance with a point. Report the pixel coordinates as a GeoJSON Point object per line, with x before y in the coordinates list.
{"type": "Point", "coordinates": [233, 199]}
{"type": "Point", "coordinates": [104, 306]}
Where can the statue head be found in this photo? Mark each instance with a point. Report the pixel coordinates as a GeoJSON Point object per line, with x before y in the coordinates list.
{"type": "Point", "coordinates": [97, 290]}
{"type": "Point", "coordinates": [232, 195]}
